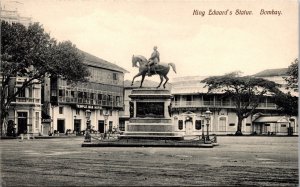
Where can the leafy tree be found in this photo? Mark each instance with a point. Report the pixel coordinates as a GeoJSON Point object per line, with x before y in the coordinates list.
{"type": "Point", "coordinates": [286, 103]}
{"type": "Point", "coordinates": [292, 80]}
{"type": "Point", "coordinates": [245, 92]}
{"type": "Point", "coordinates": [33, 54]}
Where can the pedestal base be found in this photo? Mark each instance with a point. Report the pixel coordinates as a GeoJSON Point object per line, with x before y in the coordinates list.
{"type": "Point", "coordinates": [148, 143]}
{"type": "Point", "coordinates": [150, 128]}
{"type": "Point", "coordinates": [148, 136]}
{"type": "Point", "coordinates": [151, 116]}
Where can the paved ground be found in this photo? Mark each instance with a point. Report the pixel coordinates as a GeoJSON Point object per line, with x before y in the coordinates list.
{"type": "Point", "coordinates": [239, 161]}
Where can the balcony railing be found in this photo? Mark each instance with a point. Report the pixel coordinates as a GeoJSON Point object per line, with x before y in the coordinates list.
{"type": "Point", "coordinates": [27, 100]}
{"type": "Point", "coordinates": [217, 104]}
{"type": "Point", "coordinates": [87, 101]}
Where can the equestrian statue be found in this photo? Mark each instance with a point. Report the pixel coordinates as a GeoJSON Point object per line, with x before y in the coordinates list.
{"type": "Point", "coordinates": [152, 67]}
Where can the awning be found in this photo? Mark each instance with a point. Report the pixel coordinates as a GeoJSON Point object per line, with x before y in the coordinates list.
{"type": "Point", "coordinates": [271, 119]}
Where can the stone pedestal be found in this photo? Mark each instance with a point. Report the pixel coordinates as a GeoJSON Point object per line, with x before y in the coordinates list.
{"type": "Point", "coordinates": [150, 118]}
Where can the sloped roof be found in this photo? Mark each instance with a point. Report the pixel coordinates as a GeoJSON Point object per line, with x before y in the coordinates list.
{"type": "Point", "coordinates": [268, 119]}
{"type": "Point", "coordinates": [189, 85]}
{"type": "Point", "coordinates": [193, 85]}
{"type": "Point", "coordinates": [189, 89]}
{"type": "Point", "coordinates": [98, 62]}
{"type": "Point", "coordinates": [272, 72]}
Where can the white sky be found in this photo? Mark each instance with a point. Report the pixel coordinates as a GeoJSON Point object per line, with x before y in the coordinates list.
{"type": "Point", "coordinates": [211, 45]}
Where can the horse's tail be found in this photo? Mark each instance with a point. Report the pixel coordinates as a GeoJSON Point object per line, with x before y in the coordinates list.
{"type": "Point", "coordinates": [173, 66]}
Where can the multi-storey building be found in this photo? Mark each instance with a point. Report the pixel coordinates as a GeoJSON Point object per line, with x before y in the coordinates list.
{"type": "Point", "coordinates": [273, 122]}
{"type": "Point", "coordinates": [96, 102]}
{"type": "Point", "coordinates": [13, 16]}
{"type": "Point", "coordinates": [191, 100]}
{"type": "Point", "coordinates": [25, 110]}
{"type": "Point", "coordinates": [57, 106]}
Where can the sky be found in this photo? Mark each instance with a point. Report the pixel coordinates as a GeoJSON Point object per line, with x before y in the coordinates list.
{"type": "Point", "coordinates": [206, 45]}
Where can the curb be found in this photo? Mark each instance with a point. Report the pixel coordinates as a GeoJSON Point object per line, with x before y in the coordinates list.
{"type": "Point", "coordinates": [154, 143]}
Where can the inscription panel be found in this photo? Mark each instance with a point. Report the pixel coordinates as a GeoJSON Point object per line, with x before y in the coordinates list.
{"type": "Point", "coordinates": [153, 110]}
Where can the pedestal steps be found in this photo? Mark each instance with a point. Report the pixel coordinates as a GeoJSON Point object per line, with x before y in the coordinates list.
{"type": "Point", "coordinates": [150, 127]}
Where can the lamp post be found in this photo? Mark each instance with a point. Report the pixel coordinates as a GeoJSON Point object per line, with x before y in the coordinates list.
{"type": "Point", "coordinates": [207, 117]}
{"type": "Point", "coordinates": [202, 126]}
{"type": "Point", "coordinates": [105, 123]}
{"type": "Point", "coordinates": [52, 121]}
{"type": "Point", "coordinates": [74, 124]}
{"type": "Point", "coordinates": [87, 137]}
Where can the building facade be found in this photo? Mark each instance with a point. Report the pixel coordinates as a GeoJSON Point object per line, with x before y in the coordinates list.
{"type": "Point", "coordinates": [273, 122]}
{"type": "Point", "coordinates": [72, 108]}
{"type": "Point", "coordinates": [56, 106]}
{"type": "Point", "coordinates": [191, 101]}
{"type": "Point", "coordinates": [25, 110]}
{"type": "Point", "coordinates": [13, 16]}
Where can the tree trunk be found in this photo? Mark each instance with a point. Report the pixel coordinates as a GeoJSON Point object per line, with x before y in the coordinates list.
{"type": "Point", "coordinates": [239, 127]}
{"type": "Point", "coordinates": [1, 123]}
{"type": "Point", "coordinates": [1, 112]}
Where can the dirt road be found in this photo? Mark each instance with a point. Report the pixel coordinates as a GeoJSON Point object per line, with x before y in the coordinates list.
{"type": "Point", "coordinates": [239, 161]}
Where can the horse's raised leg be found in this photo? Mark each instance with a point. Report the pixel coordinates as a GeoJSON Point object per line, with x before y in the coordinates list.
{"type": "Point", "coordinates": [161, 80]}
{"type": "Point", "coordinates": [137, 75]}
{"type": "Point", "coordinates": [166, 81]}
{"type": "Point", "coordinates": [143, 77]}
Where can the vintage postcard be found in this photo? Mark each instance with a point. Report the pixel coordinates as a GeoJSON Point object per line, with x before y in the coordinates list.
{"type": "Point", "coordinates": [149, 93]}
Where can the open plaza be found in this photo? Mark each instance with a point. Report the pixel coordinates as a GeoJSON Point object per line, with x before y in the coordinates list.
{"type": "Point", "coordinates": [191, 93]}
{"type": "Point", "coordinates": [237, 161]}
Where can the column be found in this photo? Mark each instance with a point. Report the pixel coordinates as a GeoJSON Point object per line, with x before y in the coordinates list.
{"type": "Point", "coordinates": [134, 109]}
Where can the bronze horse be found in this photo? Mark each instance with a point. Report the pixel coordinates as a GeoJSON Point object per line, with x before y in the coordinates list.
{"type": "Point", "coordinates": [161, 69]}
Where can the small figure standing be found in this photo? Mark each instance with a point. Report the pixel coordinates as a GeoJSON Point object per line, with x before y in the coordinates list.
{"type": "Point", "coordinates": [154, 59]}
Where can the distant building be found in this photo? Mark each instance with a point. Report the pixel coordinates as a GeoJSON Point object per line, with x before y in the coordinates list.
{"type": "Point", "coordinates": [278, 125]}
{"type": "Point", "coordinates": [191, 100]}
{"type": "Point", "coordinates": [57, 106]}
{"type": "Point", "coordinates": [278, 76]}
{"type": "Point", "coordinates": [72, 108]}
{"type": "Point", "coordinates": [272, 122]}
{"type": "Point", "coordinates": [13, 16]}
{"type": "Point", "coordinates": [25, 110]}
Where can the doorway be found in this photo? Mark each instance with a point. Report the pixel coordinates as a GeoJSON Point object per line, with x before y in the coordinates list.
{"type": "Point", "coordinates": [61, 125]}
{"type": "Point", "coordinates": [189, 126]}
{"type": "Point", "coordinates": [101, 126]}
{"type": "Point", "coordinates": [22, 122]}
{"type": "Point", "coordinates": [77, 126]}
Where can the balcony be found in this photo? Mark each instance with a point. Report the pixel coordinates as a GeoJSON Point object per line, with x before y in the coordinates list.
{"type": "Point", "coordinates": [87, 101]}
{"type": "Point", "coordinates": [267, 105]}
{"type": "Point", "coordinates": [179, 104]}
{"type": "Point", "coordinates": [67, 100]}
{"type": "Point", "coordinates": [216, 104]}
{"type": "Point", "coordinates": [28, 100]}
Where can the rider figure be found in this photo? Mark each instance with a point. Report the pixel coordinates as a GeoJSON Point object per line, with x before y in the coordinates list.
{"type": "Point", "coordinates": [154, 59]}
